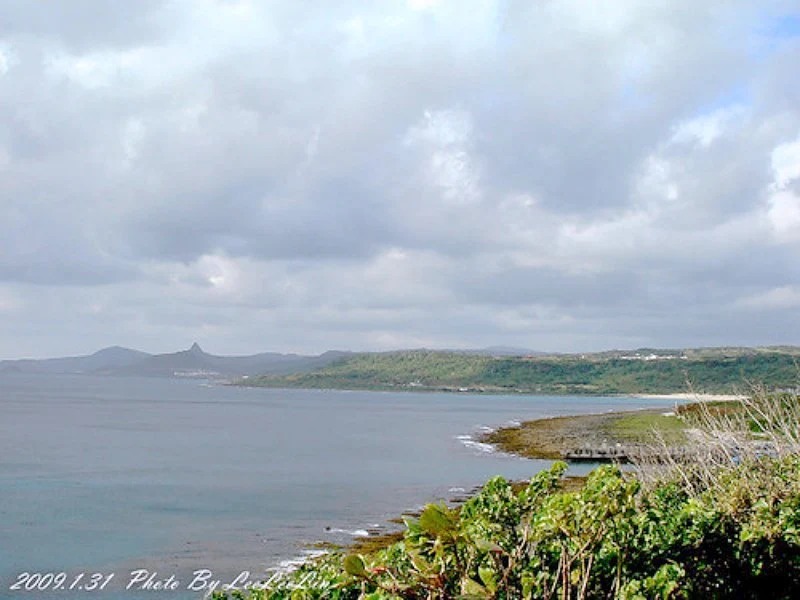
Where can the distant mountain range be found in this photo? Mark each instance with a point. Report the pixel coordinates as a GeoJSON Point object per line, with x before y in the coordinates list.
{"type": "Point", "coordinates": [495, 367]}
{"type": "Point", "coordinates": [193, 362]}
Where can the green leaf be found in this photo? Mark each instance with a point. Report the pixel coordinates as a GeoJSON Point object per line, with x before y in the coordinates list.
{"type": "Point", "coordinates": [420, 564]}
{"type": "Point", "coordinates": [488, 578]}
{"type": "Point", "coordinates": [437, 520]}
{"type": "Point", "coordinates": [354, 565]}
{"type": "Point", "coordinates": [487, 546]}
{"type": "Point", "coordinates": [472, 589]}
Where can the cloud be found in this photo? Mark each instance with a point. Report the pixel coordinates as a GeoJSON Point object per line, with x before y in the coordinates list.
{"type": "Point", "coordinates": [259, 176]}
{"type": "Point", "coordinates": [776, 298]}
{"type": "Point", "coordinates": [83, 24]}
{"type": "Point", "coordinates": [786, 163]}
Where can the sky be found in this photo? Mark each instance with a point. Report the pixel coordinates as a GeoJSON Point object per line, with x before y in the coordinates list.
{"type": "Point", "coordinates": [296, 176]}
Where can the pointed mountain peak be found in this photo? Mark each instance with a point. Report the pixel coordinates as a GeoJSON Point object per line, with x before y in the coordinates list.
{"type": "Point", "coordinates": [196, 349]}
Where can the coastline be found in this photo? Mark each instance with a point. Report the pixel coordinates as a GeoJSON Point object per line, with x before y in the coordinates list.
{"type": "Point", "coordinates": [554, 437]}
{"type": "Point", "coordinates": [488, 391]}
{"type": "Point", "coordinates": [691, 396]}
{"type": "Point", "coordinates": [583, 426]}
{"type": "Point", "coordinates": [547, 439]}
{"type": "Point", "coordinates": [607, 495]}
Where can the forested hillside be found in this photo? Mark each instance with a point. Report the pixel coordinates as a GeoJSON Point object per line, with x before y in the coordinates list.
{"type": "Point", "coordinates": [649, 371]}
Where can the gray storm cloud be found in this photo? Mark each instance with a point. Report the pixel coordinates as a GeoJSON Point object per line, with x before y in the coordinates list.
{"type": "Point", "coordinates": [553, 175]}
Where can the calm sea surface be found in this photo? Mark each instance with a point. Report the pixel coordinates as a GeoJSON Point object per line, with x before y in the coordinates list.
{"type": "Point", "coordinates": [110, 475]}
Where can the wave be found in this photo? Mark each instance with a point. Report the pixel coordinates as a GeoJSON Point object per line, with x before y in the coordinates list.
{"type": "Point", "coordinates": [292, 564]}
{"type": "Point", "coordinates": [470, 443]}
{"type": "Point", "coordinates": [352, 532]}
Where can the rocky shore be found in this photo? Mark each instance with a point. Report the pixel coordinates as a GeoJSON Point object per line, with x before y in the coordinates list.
{"type": "Point", "coordinates": [558, 437]}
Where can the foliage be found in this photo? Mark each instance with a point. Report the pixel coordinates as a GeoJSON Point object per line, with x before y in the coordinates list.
{"type": "Point", "coordinates": [611, 538]}
{"type": "Point", "coordinates": [570, 374]}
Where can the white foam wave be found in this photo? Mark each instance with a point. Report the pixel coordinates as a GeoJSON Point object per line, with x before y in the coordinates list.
{"type": "Point", "coordinates": [353, 532]}
{"type": "Point", "coordinates": [479, 446]}
{"type": "Point", "coordinates": [292, 564]}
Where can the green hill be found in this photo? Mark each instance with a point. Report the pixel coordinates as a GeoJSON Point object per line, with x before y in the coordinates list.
{"type": "Point", "coordinates": [709, 370]}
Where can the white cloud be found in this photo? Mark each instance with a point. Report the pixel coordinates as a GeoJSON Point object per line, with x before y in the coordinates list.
{"type": "Point", "coordinates": [422, 4]}
{"type": "Point", "coordinates": [786, 163]}
{"type": "Point", "coordinates": [100, 69]}
{"type": "Point", "coordinates": [784, 215]}
{"type": "Point", "coordinates": [706, 129]}
{"type": "Point", "coordinates": [656, 183]}
{"type": "Point", "coordinates": [312, 147]}
{"type": "Point", "coordinates": [446, 136]}
{"type": "Point", "coordinates": [132, 135]}
{"type": "Point", "coordinates": [442, 128]}
{"type": "Point", "coordinates": [785, 297]}
{"type": "Point", "coordinates": [9, 301]}
{"type": "Point", "coordinates": [783, 203]}
{"type": "Point", "coordinates": [5, 61]}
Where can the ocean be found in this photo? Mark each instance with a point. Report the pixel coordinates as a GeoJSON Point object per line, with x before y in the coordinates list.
{"type": "Point", "coordinates": [105, 477]}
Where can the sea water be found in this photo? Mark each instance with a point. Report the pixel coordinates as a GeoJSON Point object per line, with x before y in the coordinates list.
{"type": "Point", "coordinates": [147, 479]}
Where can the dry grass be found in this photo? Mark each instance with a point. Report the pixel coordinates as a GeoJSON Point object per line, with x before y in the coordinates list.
{"type": "Point", "coordinates": [722, 436]}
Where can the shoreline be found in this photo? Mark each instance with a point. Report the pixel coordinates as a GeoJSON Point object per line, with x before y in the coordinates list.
{"type": "Point", "coordinates": [553, 438]}
{"type": "Point", "coordinates": [489, 391]}
{"type": "Point", "coordinates": [544, 439]}
{"type": "Point", "coordinates": [692, 396]}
